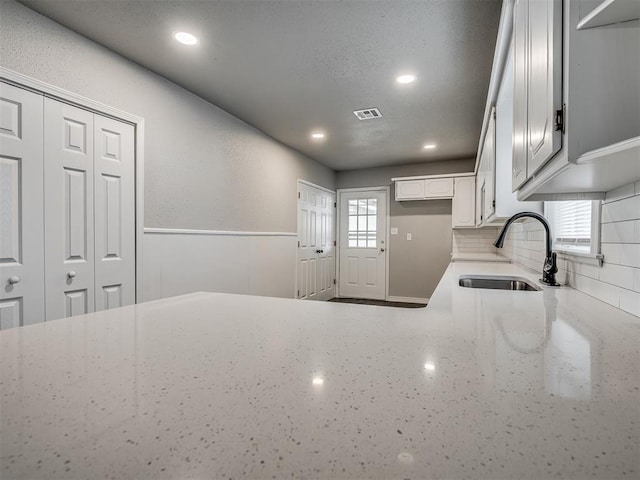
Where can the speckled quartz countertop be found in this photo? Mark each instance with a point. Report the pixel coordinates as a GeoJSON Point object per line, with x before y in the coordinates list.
{"type": "Point", "coordinates": [481, 384]}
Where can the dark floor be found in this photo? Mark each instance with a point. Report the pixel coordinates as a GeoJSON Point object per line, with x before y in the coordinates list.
{"type": "Point", "coordinates": [379, 303]}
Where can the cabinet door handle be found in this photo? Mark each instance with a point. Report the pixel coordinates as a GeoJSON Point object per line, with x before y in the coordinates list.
{"type": "Point", "coordinates": [13, 280]}
{"type": "Point", "coordinates": [71, 274]}
{"type": "Point", "coordinates": [382, 249]}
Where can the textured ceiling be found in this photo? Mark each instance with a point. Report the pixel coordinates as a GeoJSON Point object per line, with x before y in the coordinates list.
{"type": "Point", "coordinates": [288, 67]}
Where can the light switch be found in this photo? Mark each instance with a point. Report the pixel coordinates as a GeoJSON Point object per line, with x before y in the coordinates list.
{"type": "Point", "coordinates": [394, 231]}
{"type": "Point", "coordinates": [408, 236]}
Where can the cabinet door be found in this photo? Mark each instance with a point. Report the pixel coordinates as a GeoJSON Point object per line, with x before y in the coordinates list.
{"type": "Point", "coordinates": [438, 188]}
{"type": "Point", "coordinates": [21, 207]}
{"type": "Point", "coordinates": [68, 191]}
{"type": "Point", "coordinates": [463, 208]}
{"type": "Point", "coordinates": [410, 189]}
{"type": "Point", "coordinates": [114, 170]}
{"type": "Point", "coordinates": [544, 81]}
{"type": "Point", "coordinates": [520, 55]}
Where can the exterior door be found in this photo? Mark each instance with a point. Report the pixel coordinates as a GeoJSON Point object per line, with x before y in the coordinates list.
{"type": "Point", "coordinates": [69, 219]}
{"type": "Point", "coordinates": [21, 207]}
{"type": "Point", "coordinates": [114, 213]}
{"type": "Point", "coordinates": [316, 251]}
{"type": "Point", "coordinates": [363, 248]}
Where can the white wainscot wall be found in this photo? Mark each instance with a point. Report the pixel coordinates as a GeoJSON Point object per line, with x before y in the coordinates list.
{"type": "Point", "coordinates": [176, 262]}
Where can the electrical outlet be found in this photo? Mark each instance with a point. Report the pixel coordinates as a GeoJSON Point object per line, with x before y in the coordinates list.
{"type": "Point", "coordinates": [409, 236]}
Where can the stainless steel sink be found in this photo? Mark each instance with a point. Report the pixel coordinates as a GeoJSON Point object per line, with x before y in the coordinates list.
{"type": "Point", "coordinates": [497, 282]}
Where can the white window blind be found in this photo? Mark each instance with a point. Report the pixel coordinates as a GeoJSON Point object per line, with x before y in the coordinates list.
{"type": "Point", "coordinates": [572, 225]}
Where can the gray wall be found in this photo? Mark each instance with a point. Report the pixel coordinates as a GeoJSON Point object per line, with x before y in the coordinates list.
{"type": "Point", "coordinates": [204, 168]}
{"type": "Point", "coordinates": [415, 266]}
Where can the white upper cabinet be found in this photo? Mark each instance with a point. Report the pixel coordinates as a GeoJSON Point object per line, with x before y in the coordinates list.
{"type": "Point", "coordinates": [410, 190]}
{"type": "Point", "coordinates": [438, 188]}
{"type": "Point", "coordinates": [585, 140]}
{"type": "Point", "coordinates": [424, 188]}
{"type": "Point", "coordinates": [463, 207]}
{"type": "Point", "coordinates": [537, 40]}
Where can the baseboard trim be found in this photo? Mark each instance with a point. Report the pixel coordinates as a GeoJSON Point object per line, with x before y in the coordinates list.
{"type": "Point", "coordinates": [186, 231]}
{"type": "Point", "coordinates": [408, 299]}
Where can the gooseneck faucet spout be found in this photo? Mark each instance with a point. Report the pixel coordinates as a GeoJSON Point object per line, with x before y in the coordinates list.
{"type": "Point", "coordinates": [550, 267]}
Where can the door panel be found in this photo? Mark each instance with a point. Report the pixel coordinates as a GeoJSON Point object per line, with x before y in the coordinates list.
{"type": "Point", "coordinates": [21, 207]}
{"type": "Point", "coordinates": [69, 216]}
{"type": "Point", "coordinates": [544, 42]}
{"type": "Point", "coordinates": [114, 173]}
{"type": "Point", "coordinates": [316, 257]}
{"type": "Point", "coordinates": [363, 217]}
{"type": "Point", "coordinates": [520, 29]}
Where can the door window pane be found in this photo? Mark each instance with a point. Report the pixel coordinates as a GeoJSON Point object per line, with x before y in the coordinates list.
{"type": "Point", "coordinates": [362, 223]}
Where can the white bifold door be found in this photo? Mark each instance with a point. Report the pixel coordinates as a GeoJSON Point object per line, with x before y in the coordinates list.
{"type": "Point", "coordinates": [67, 210]}
{"type": "Point", "coordinates": [89, 211]}
{"type": "Point", "coordinates": [21, 208]}
{"type": "Point", "coordinates": [363, 249]}
{"type": "Point", "coordinates": [316, 243]}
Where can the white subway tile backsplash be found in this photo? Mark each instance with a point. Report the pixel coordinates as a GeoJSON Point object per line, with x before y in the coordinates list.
{"type": "Point", "coordinates": [619, 275]}
{"type": "Point", "coordinates": [630, 302]}
{"type": "Point", "coordinates": [630, 208]}
{"type": "Point", "coordinates": [620, 232]}
{"type": "Point", "coordinates": [629, 254]}
{"type": "Point", "coordinates": [611, 252]}
{"type": "Point", "coordinates": [620, 193]}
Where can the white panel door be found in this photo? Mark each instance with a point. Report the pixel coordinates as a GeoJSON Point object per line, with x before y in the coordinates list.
{"type": "Point", "coordinates": [21, 207]}
{"type": "Point", "coordinates": [326, 248]}
{"type": "Point", "coordinates": [363, 219]}
{"type": "Point", "coordinates": [69, 221]}
{"type": "Point", "coordinates": [114, 171]}
{"type": "Point", "coordinates": [544, 81]}
{"type": "Point", "coordinates": [307, 261]}
{"type": "Point", "coordinates": [316, 250]}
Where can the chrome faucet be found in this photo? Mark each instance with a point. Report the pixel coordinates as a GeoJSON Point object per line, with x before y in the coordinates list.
{"type": "Point", "coordinates": [550, 268]}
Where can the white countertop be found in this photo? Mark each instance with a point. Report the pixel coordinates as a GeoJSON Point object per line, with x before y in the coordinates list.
{"type": "Point", "coordinates": [480, 384]}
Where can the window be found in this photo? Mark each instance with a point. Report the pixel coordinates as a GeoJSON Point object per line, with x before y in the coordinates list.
{"type": "Point", "coordinates": [575, 226]}
{"type": "Point", "coordinates": [362, 223]}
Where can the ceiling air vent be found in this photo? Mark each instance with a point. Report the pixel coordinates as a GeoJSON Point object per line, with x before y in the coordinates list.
{"type": "Point", "coordinates": [367, 114]}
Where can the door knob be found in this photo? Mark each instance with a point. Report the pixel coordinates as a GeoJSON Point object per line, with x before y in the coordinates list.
{"type": "Point", "coordinates": [13, 280]}
{"type": "Point", "coordinates": [71, 274]}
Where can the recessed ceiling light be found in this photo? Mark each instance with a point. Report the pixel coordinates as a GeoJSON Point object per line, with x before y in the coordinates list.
{"type": "Point", "coordinates": [317, 135]}
{"type": "Point", "coordinates": [407, 78]}
{"type": "Point", "coordinates": [185, 38]}
{"type": "Point", "coordinates": [429, 146]}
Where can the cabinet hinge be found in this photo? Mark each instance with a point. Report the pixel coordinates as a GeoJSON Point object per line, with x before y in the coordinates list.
{"type": "Point", "coordinates": [298, 194]}
{"type": "Point", "coordinates": [493, 204]}
{"type": "Point", "coordinates": [334, 243]}
{"type": "Point", "coordinates": [335, 205]}
{"type": "Point", "coordinates": [334, 281]}
{"type": "Point", "coordinates": [298, 293]}
{"type": "Point", "coordinates": [559, 122]}
{"type": "Point", "coordinates": [298, 243]}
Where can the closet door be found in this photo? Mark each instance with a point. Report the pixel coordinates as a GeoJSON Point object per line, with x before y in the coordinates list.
{"type": "Point", "coordinates": [114, 213]}
{"type": "Point", "coordinates": [69, 223]}
{"type": "Point", "coordinates": [21, 205]}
